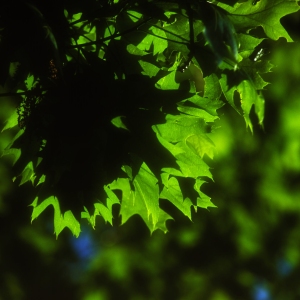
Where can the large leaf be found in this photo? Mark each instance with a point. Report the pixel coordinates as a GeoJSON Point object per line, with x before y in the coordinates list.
{"type": "Point", "coordinates": [143, 199]}
{"type": "Point", "coordinates": [266, 14]}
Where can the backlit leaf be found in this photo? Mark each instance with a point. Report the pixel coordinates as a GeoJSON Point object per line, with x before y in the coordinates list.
{"type": "Point", "coordinates": [266, 14]}
{"type": "Point", "coordinates": [173, 193]}
{"type": "Point", "coordinates": [60, 221]}
{"type": "Point", "coordinates": [149, 69]}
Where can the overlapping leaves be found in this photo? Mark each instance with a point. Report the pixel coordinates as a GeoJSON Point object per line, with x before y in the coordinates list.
{"type": "Point", "coordinates": [137, 52]}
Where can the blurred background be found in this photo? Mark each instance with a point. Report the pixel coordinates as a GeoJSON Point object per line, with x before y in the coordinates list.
{"type": "Point", "coordinates": [247, 248]}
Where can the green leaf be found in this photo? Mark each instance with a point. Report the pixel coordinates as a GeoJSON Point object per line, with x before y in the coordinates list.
{"type": "Point", "coordinates": [266, 14]}
{"type": "Point", "coordinates": [134, 15]}
{"type": "Point", "coordinates": [11, 122]}
{"type": "Point", "coordinates": [159, 40]}
{"type": "Point", "coordinates": [178, 128]}
{"type": "Point", "coordinates": [186, 138]}
{"type": "Point", "coordinates": [247, 44]}
{"type": "Point", "coordinates": [146, 192]}
{"type": "Point", "coordinates": [172, 192]}
{"type": "Point", "coordinates": [201, 144]}
{"type": "Point", "coordinates": [102, 210]}
{"type": "Point", "coordinates": [173, 134]}
{"type": "Point", "coordinates": [196, 112]}
{"type": "Point", "coordinates": [168, 82]}
{"type": "Point", "coordinates": [208, 104]}
{"type": "Point", "coordinates": [60, 221]}
{"type": "Point", "coordinates": [212, 92]}
{"type": "Point", "coordinates": [12, 151]}
{"type": "Point", "coordinates": [203, 201]}
{"type": "Point", "coordinates": [149, 69]}
{"type": "Point", "coordinates": [28, 173]}
{"type": "Point", "coordinates": [135, 50]}
{"type": "Point", "coordinates": [192, 165]}
{"type": "Point", "coordinates": [254, 69]}
{"type": "Point", "coordinates": [248, 97]}
{"type": "Point", "coordinates": [41, 180]}
{"type": "Point", "coordinates": [142, 200]}
{"type": "Point", "coordinates": [117, 121]}
{"type": "Point", "coordinates": [106, 211]}
{"type": "Point", "coordinates": [146, 43]}
{"type": "Point", "coordinates": [29, 82]}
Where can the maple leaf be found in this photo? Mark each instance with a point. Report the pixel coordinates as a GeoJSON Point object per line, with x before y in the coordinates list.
{"type": "Point", "coordinates": [266, 14]}
{"type": "Point", "coordinates": [142, 199]}
{"type": "Point", "coordinates": [60, 221]}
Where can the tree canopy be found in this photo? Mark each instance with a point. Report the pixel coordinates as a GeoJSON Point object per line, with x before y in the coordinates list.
{"type": "Point", "coordinates": [113, 103]}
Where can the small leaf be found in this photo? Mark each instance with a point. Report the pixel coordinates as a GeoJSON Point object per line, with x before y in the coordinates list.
{"type": "Point", "coordinates": [60, 221]}
{"type": "Point", "coordinates": [29, 82]}
{"type": "Point", "coordinates": [117, 121]}
{"type": "Point", "coordinates": [28, 173]}
{"type": "Point", "coordinates": [173, 193]}
{"type": "Point", "coordinates": [134, 15]}
{"type": "Point", "coordinates": [41, 180]}
{"type": "Point", "coordinates": [102, 210]}
{"type": "Point", "coordinates": [135, 50]}
{"type": "Point", "coordinates": [203, 200]}
{"type": "Point", "coordinates": [149, 69]}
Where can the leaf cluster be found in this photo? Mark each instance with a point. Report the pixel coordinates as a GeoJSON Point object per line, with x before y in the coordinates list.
{"type": "Point", "coordinates": [118, 107]}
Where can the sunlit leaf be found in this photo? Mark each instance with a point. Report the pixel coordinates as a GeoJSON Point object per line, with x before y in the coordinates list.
{"type": "Point", "coordinates": [168, 82]}
{"type": "Point", "coordinates": [201, 145]}
{"type": "Point", "coordinates": [138, 79]}
{"type": "Point", "coordinates": [149, 69]}
{"type": "Point", "coordinates": [12, 121]}
{"type": "Point", "coordinates": [134, 15]}
{"type": "Point", "coordinates": [142, 200]}
{"type": "Point", "coordinates": [248, 96]}
{"type": "Point", "coordinates": [159, 40]}
{"type": "Point", "coordinates": [135, 50]}
{"type": "Point", "coordinates": [60, 221]}
{"type": "Point", "coordinates": [117, 121]}
{"type": "Point", "coordinates": [173, 193]}
{"type": "Point", "coordinates": [28, 173]}
{"type": "Point", "coordinates": [266, 14]}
